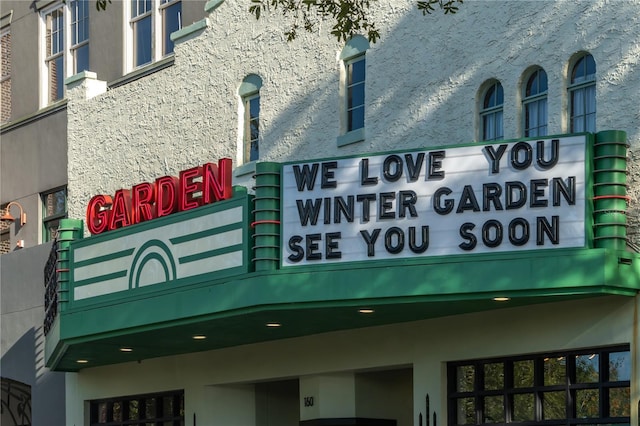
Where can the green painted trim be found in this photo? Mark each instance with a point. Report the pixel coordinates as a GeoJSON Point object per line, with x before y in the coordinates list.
{"type": "Point", "coordinates": [5, 19]}
{"type": "Point", "coordinates": [143, 72]}
{"type": "Point", "coordinates": [41, 4]}
{"type": "Point", "coordinates": [189, 31]}
{"type": "Point", "coordinates": [356, 46]}
{"type": "Point", "coordinates": [351, 137]}
{"type": "Point", "coordinates": [212, 5]}
{"type": "Point", "coordinates": [100, 259]}
{"type": "Point", "coordinates": [245, 169]}
{"type": "Point", "coordinates": [38, 115]}
{"type": "Point", "coordinates": [250, 85]}
{"type": "Point", "coordinates": [81, 76]}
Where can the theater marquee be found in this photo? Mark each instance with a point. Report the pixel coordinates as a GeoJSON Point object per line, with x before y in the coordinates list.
{"type": "Point", "coordinates": [499, 197]}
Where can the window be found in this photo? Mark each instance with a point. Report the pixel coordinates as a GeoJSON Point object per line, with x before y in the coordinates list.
{"type": "Point", "coordinates": [16, 402]}
{"type": "Point", "coordinates": [54, 209]}
{"type": "Point", "coordinates": [582, 95]}
{"type": "Point", "coordinates": [250, 95]}
{"type": "Point", "coordinates": [165, 408]}
{"type": "Point", "coordinates": [491, 113]}
{"type": "Point", "coordinates": [5, 77]}
{"type": "Point", "coordinates": [535, 104]}
{"type": "Point", "coordinates": [589, 387]}
{"type": "Point", "coordinates": [64, 56]}
{"type": "Point", "coordinates": [352, 90]}
{"type": "Point", "coordinates": [151, 23]}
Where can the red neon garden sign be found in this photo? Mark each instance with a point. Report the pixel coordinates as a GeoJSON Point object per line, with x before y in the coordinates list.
{"type": "Point", "coordinates": [193, 188]}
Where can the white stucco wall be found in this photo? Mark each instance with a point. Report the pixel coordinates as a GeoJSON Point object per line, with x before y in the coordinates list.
{"type": "Point", "coordinates": [423, 82]}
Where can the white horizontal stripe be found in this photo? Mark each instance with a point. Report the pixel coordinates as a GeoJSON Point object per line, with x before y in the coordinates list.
{"type": "Point", "coordinates": [101, 288]}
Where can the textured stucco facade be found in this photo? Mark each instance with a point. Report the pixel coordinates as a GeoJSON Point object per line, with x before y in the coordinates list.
{"type": "Point", "coordinates": [424, 80]}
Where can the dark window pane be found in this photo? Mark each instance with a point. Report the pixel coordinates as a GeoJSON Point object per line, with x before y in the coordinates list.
{"type": "Point", "coordinates": [493, 376]}
{"type": "Point", "coordinates": [523, 407]}
{"type": "Point", "coordinates": [493, 409]}
{"type": "Point", "coordinates": [466, 411]}
{"type": "Point", "coordinates": [523, 373]}
{"type": "Point", "coordinates": [555, 371]}
{"type": "Point", "coordinates": [356, 72]}
{"type": "Point", "coordinates": [142, 43]}
{"type": "Point", "coordinates": [356, 96]}
{"type": "Point", "coordinates": [356, 118]}
{"type": "Point", "coordinates": [587, 368]}
{"type": "Point", "coordinates": [619, 402]}
{"type": "Point", "coordinates": [82, 58]}
{"type": "Point", "coordinates": [619, 366]}
{"type": "Point", "coordinates": [554, 405]}
{"type": "Point", "coordinates": [587, 403]}
{"type": "Point", "coordinates": [465, 375]}
{"type": "Point", "coordinates": [172, 23]}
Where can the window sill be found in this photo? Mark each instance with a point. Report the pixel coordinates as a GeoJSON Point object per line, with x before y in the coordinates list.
{"type": "Point", "coordinates": [353, 136]}
{"type": "Point", "coordinates": [245, 169]}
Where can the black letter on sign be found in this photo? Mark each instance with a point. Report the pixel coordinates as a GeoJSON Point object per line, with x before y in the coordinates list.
{"type": "Point", "coordinates": [435, 164]}
{"type": "Point", "coordinates": [491, 193]}
{"type": "Point", "coordinates": [551, 230]}
{"type": "Point", "coordinates": [495, 157]}
{"type": "Point", "coordinates": [537, 193]}
{"type": "Point", "coordinates": [486, 233]}
{"type": "Point", "coordinates": [520, 200]}
{"type": "Point", "coordinates": [412, 239]}
{"type": "Point", "coordinates": [312, 245]}
{"type": "Point", "coordinates": [388, 240]}
{"type": "Point", "coordinates": [546, 165]}
{"type": "Point", "coordinates": [414, 167]}
{"type": "Point", "coordinates": [518, 221]}
{"type": "Point", "coordinates": [370, 240]}
{"type": "Point", "coordinates": [515, 156]}
{"type": "Point", "coordinates": [298, 252]}
{"type": "Point", "coordinates": [448, 204]}
{"type": "Point", "coordinates": [332, 244]}
{"type": "Point", "coordinates": [465, 232]}
{"type": "Point", "coordinates": [327, 173]}
{"type": "Point", "coordinates": [307, 177]}
{"type": "Point", "coordinates": [364, 174]}
{"type": "Point", "coordinates": [468, 200]}
{"type": "Point", "coordinates": [388, 164]}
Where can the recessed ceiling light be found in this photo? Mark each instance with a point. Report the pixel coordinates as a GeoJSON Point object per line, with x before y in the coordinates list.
{"type": "Point", "coordinates": [501, 299]}
{"type": "Point", "coordinates": [199, 337]}
{"type": "Point", "coordinates": [82, 361]}
{"type": "Point", "coordinates": [366, 310]}
{"type": "Point", "coordinates": [273, 324]}
{"type": "Point", "coordinates": [126, 350]}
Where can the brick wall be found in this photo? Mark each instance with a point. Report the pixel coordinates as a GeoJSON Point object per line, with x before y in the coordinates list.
{"type": "Point", "coordinates": [5, 78]}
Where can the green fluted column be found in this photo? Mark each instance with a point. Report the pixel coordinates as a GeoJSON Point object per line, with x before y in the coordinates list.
{"type": "Point", "coordinates": [266, 236]}
{"type": "Point", "coordinates": [69, 230]}
{"type": "Point", "coordinates": [610, 190]}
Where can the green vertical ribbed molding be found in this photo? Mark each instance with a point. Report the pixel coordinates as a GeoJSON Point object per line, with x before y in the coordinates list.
{"type": "Point", "coordinates": [610, 190]}
{"type": "Point", "coordinates": [266, 221]}
{"type": "Point", "coordinates": [69, 230]}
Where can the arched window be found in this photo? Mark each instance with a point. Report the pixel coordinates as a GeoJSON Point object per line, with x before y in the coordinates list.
{"type": "Point", "coordinates": [250, 96]}
{"type": "Point", "coordinates": [491, 113]}
{"type": "Point", "coordinates": [534, 104]}
{"type": "Point", "coordinates": [352, 90]}
{"type": "Point", "coordinates": [582, 95]}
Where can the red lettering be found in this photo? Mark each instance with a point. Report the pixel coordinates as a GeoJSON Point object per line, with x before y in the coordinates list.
{"type": "Point", "coordinates": [195, 187]}
{"type": "Point", "coordinates": [120, 210]}
{"type": "Point", "coordinates": [166, 195]}
{"type": "Point", "coordinates": [142, 198]}
{"type": "Point", "coordinates": [188, 188]}
{"type": "Point", "coordinates": [216, 181]}
{"type": "Point", "coordinates": [98, 213]}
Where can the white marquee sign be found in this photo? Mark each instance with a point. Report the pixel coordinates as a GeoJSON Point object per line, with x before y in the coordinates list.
{"type": "Point", "coordinates": [526, 195]}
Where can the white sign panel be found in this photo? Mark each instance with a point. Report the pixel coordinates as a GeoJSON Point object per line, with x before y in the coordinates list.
{"type": "Point", "coordinates": [526, 195]}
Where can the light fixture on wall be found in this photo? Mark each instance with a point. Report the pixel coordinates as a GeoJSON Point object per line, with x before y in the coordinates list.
{"type": "Point", "coordinates": [7, 215]}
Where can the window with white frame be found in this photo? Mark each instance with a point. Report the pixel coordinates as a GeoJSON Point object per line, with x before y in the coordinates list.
{"type": "Point", "coordinates": [352, 90]}
{"type": "Point", "coordinates": [65, 35]}
{"type": "Point", "coordinates": [151, 23]}
{"type": "Point", "coordinates": [534, 104]}
{"type": "Point", "coordinates": [250, 124]}
{"type": "Point", "coordinates": [582, 95]}
{"type": "Point", "coordinates": [491, 113]}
